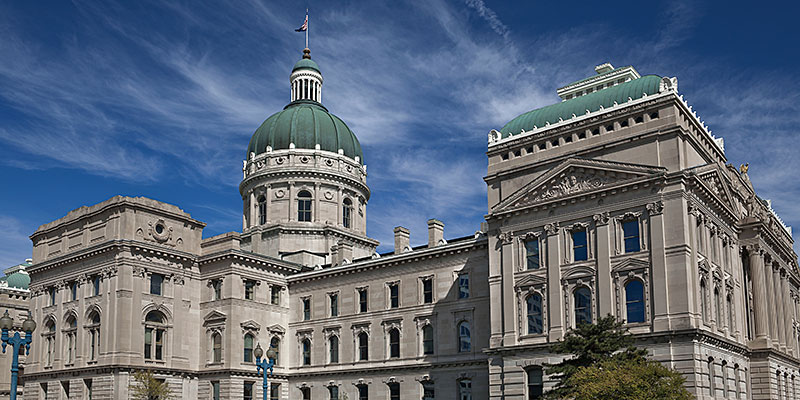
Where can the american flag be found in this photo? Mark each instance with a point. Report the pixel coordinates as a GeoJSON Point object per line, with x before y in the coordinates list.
{"type": "Point", "coordinates": [304, 27]}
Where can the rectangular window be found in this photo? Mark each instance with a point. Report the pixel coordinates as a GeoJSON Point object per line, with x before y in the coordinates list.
{"type": "Point", "coordinates": [248, 391]}
{"type": "Point", "coordinates": [148, 343]}
{"type": "Point", "coordinates": [334, 299]}
{"type": "Point", "coordinates": [249, 290]}
{"type": "Point", "coordinates": [96, 286]}
{"type": "Point", "coordinates": [630, 234]}
{"type": "Point", "coordinates": [362, 300]}
{"type": "Point", "coordinates": [394, 391]}
{"type": "Point", "coordinates": [159, 344]}
{"type": "Point", "coordinates": [156, 280]}
{"type": "Point", "coordinates": [87, 383]}
{"type": "Point", "coordinates": [394, 295]}
{"type": "Point", "coordinates": [535, 384]}
{"type": "Point", "coordinates": [580, 251]}
{"type": "Point", "coordinates": [304, 210]}
{"type": "Point", "coordinates": [334, 392]}
{"type": "Point", "coordinates": [427, 290]}
{"type": "Point", "coordinates": [276, 295]}
{"type": "Point", "coordinates": [532, 254]}
{"type": "Point", "coordinates": [306, 309]}
{"type": "Point", "coordinates": [52, 293]}
{"type": "Point", "coordinates": [274, 391]}
{"type": "Point", "coordinates": [306, 393]}
{"type": "Point", "coordinates": [427, 391]}
{"type": "Point", "coordinates": [217, 286]}
{"type": "Point", "coordinates": [463, 286]}
{"type": "Point", "coordinates": [215, 390]}
{"type": "Point", "coordinates": [465, 389]}
{"type": "Point", "coordinates": [363, 392]}
{"type": "Point", "coordinates": [74, 291]}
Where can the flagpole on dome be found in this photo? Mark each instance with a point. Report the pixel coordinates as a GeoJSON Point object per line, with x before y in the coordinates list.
{"type": "Point", "coordinates": [307, 28]}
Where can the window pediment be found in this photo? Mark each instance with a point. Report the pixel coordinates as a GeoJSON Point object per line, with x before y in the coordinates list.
{"type": "Point", "coordinates": [213, 318]}
{"type": "Point", "coordinates": [630, 264]}
{"type": "Point", "coordinates": [250, 325]}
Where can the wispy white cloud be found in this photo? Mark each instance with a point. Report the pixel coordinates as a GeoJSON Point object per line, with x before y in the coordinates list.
{"type": "Point", "coordinates": [491, 18]}
{"type": "Point", "coordinates": [15, 246]}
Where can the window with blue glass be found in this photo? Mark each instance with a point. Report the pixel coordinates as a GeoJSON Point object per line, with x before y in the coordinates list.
{"type": "Point", "coordinates": [535, 320]}
{"type": "Point", "coordinates": [463, 286]}
{"type": "Point", "coordinates": [634, 301]}
{"type": "Point", "coordinates": [532, 254]}
{"type": "Point", "coordinates": [583, 306]}
{"type": "Point", "coordinates": [630, 234]}
{"type": "Point", "coordinates": [464, 337]}
{"type": "Point", "coordinates": [580, 250]}
{"type": "Point", "coordinates": [304, 206]}
{"type": "Point", "coordinates": [156, 280]}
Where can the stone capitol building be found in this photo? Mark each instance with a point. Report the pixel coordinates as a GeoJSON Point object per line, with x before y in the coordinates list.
{"type": "Point", "coordinates": [616, 200]}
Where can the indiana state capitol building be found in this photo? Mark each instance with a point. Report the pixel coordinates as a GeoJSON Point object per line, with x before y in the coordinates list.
{"type": "Point", "coordinates": [615, 200]}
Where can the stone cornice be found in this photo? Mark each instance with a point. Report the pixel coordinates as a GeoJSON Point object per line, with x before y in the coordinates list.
{"type": "Point", "coordinates": [311, 228]}
{"type": "Point", "coordinates": [413, 256]}
{"type": "Point", "coordinates": [250, 258]}
{"type": "Point", "coordinates": [111, 245]}
{"type": "Point", "coordinates": [476, 360]}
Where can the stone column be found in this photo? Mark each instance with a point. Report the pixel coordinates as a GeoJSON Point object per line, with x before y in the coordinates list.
{"type": "Point", "coordinates": [605, 288]}
{"type": "Point", "coordinates": [554, 298]}
{"type": "Point", "coordinates": [786, 311]}
{"type": "Point", "coordinates": [292, 206]}
{"type": "Point", "coordinates": [509, 298]}
{"type": "Point", "coordinates": [253, 206]}
{"type": "Point", "coordinates": [317, 194]}
{"type": "Point", "coordinates": [659, 282]}
{"type": "Point", "coordinates": [495, 292]}
{"type": "Point", "coordinates": [760, 313]}
{"type": "Point", "coordinates": [268, 196]}
{"type": "Point", "coordinates": [779, 338]}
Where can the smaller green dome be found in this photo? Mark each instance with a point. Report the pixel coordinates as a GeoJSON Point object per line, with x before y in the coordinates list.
{"type": "Point", "coordinates": [19, 280]}
{"type": "Point", "coordinates": [306, 63]}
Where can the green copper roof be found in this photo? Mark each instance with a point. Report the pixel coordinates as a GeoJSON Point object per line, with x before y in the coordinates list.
{"type": "Point", "coordinates": [564, 110]}
{"type": "Point", "coordinates": [19, 280]}
{"type": "Point", "coordinates": [306, 63]}
{"type": "Point", "coordinates": [305, 123]}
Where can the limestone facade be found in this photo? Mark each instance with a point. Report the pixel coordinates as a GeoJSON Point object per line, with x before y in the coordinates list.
{"type": "Point", "coordinates": [631, 209]}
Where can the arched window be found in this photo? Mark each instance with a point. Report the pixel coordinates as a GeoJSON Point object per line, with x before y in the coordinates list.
{"type": "Point", "coordinates": [262, 210]}
{"type": "Point", "coordinates": [50, 337]}
{"type": "Point", "coordinates": [347, 213]}
{"type": "Point", "coordinates": [70, 330]}
{"type": "Point", "coordinates": [535, 383]}
{"type": "Point", "coordinates": [275, 343]}
{"type": "Point", "coordinates": [535, 320]}
{"type": "Point", "coordinates": [583, 306]}
{"type": "Point", "coordinates": [216, 348]}
{"type": "Point", "coordinates": [394, 343]}
{"type": "Point", "coordinates": [304, 206]}
{"type": "Point", "coordinates": [94, 335]}
{"type": "Point", "coordinates": [363, 346]}
{"type": "Point", "coordinates": [306, 344]}
{"type": "Point", "coordinates": [427, 339]}
{"type": "Point", "coordinates": [634, 301]}
{"type": "Point", "coordinates": [333, 349]}
{"type": "Point", "coordinates": [154, 335]}
{"type": "Point", "coordinates": [248, 347]}
{"type": "Point", "coordinates": [464, 337]}
{"type": "Point", "coordinates": [704, 300]}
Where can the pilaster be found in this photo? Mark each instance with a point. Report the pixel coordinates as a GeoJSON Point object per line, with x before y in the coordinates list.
{"type": "Point", "coordinates": [760, 313]}
{"type": "Point", "coordinates": [658, 259]}
{"type": "Point", "coordinates": [605, 289]}
{"type": "Point", "coordinates": [554, 297]}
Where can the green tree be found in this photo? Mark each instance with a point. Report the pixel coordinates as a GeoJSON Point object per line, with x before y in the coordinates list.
{"type": "Point", "coordinates": [590, 344]}
{"type": "Point", "coordinates": [146, 387]}
{"type": "Point", "coordinates": [632, 379]}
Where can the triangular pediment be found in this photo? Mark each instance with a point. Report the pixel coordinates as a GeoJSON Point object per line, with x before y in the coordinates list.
{"type": "Point", "coordinates": [214, 317]}
{"type": "Point", "coordinates": [250, 324]}
{"type": "Point", "coordinates": [630, 264]}
{"type": "Point", "coordinates": [575, 176]}
{"type": "Point", "coordinates": [530, 280]}
{"type": "Point", "coordinates": [276, 329]}
{"type": "Point", "coordinates": [713, 180]}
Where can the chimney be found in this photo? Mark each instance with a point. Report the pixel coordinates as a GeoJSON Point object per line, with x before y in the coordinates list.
{"type": "Point", "coordinates": [340, 253]}
{"type": "Point", "coordinates": [435, 232]}
{"type": "Point", "coordinates": [401, 239]}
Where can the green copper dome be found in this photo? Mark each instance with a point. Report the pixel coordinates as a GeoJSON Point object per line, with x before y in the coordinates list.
{"type": "Point", "coordinates": [306, 63]}
{"type": "Point", "coordinates": [564, 110]}
{"type": "Point", "coordinates": [19, 280]}
{"type": "Point", "coordinates": [305, 123]}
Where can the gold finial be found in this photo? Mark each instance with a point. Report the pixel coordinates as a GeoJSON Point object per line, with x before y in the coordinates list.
{"type": "Point", "coordinates": [307, 53]}
{"type": "Point", "coordinates": [743, 168]}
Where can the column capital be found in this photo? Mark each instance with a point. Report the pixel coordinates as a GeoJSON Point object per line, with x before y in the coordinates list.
{"type": "Point", "coordinates": [505, 237]}
{"type": "Point", "coordinates": [551, 229]}
{"type": "Point", "coordinates": [601, 219]}
{"type": "Point", "coordinates": [655, 208]}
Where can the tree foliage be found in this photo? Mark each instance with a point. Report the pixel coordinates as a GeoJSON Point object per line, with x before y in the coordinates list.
{"type": "Point", "coordinates": [628, 380]}
{"type": "Point", "coordinates": [146, 387]}
{"type": "Point", "coordinates": [600, 350]}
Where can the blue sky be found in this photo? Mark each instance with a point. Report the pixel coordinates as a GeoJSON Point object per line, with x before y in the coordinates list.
{"type": "Point", "coordinates": [159, 99]}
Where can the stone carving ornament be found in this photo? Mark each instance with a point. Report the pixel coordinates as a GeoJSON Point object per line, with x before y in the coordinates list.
{"type": "Point", "coordinates": [573, 183]}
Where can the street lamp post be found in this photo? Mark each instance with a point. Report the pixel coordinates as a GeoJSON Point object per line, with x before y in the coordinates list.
{"type": "Point", "coordinates": [6, 323]}
{"type": "Point", "coordinates": [263, 366]}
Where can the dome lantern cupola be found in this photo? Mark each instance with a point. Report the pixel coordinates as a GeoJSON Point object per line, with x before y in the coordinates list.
{"type": "Point", "coordinates": [306, 79]}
